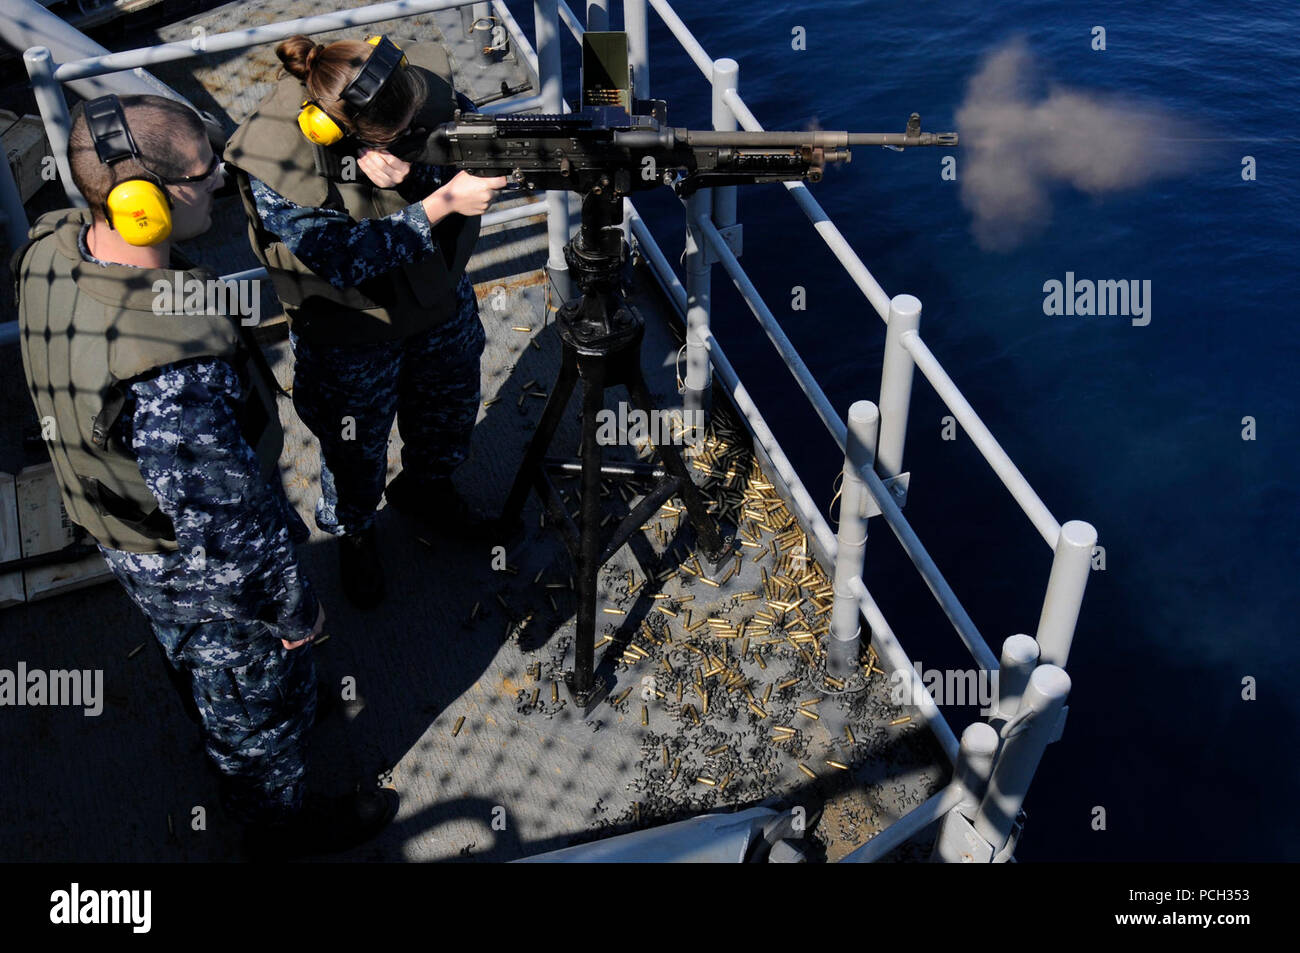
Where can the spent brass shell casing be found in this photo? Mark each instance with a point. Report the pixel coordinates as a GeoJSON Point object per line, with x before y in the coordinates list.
{"type": "Point", "coordinates": [667, 611]}
{"type": "Point", "coordinates": [677, 764]}
{"type": "Point", "coordinates": [709, 781]}
{"type": "Point", "coordinates": [555, 692]}
{"type": "Point", "coordinates": [807, 770]}
{"type": "Point", "coordinates": [834, 682]}
{"type": "Point", "coordinates": [782, 686]}
{"type": "Point", "coordinates": [758, 657]}
{"type": "Point", "coordinates": [715, 751]}
{"type": "Point", "coordinates": [767, 693]}
{"type": "Point", "coordinates": [603, 640]}
{"type": "Point", "coordinates": [722, 785]}
{"type": "Point", "coordinates": [810, 701]}
{"type": "Point", "coordinates": [709, 582]}
{"type": "Point", "coordinates": [690, 597]}
{"type": "Point", "coordinates": [532, 702]}
{"type": "Point", "coordinates": [459, 722]}
{"type": "Point", "coordinates": [837, 764]}
{"type": "Point", "coordinates": [618, 699]}
{"type": "Point", "coordinates": [645, 715]}
{"type": "Point", "coordinates": [901, 721]}
{"type": "Point", "coordinates": [809, 714]}
{"type": "Point", "coordinates": [665, 750]}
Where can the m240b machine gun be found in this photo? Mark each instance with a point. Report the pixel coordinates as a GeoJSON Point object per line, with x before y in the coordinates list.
{"type": "Point", "coordinates": [614, 146]}
{"type": "Point", "coordinates": [607, 147]}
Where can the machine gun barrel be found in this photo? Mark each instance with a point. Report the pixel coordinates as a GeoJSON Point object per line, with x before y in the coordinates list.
{"type": "Point", "coordinates": [818, 139]}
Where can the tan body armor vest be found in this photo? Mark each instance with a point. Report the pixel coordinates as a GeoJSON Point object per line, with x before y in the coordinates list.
{"type": "Point", "coordinates": [412, 296]}
{"type": "Point", "coordinates": [87, 331]}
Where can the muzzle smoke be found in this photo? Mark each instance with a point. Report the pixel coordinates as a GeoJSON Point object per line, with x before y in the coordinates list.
{"type": "Point", "coordinates": [1017, 144]}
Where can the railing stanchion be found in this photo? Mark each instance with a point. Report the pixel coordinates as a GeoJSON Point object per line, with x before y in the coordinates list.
{"type": "Point", "coordinates": [726, 71]}
{"type": "Point", "coordinates": [851, 539]}
{"type": "Point", "coordinates": [598, 15]}
{"type": "Point", "coordinates": [1020, 656]}
{"type": "Point", "coordinates": [699, 281]}
{"type": "Point", "coordinates": [54, 114]}
{"type": "Point", "coordinates": [638, 46]}
{"type": "Point", "coordinates": [896, 385]}
{"type": "Point", "coordinates": [1070, 568]}
{"type": "Point", "coordinates": [979, 748]}
{"type": "Point", "coordinates": [546, 33]}
{"type": "Point", "coordinates": [1026, 737]}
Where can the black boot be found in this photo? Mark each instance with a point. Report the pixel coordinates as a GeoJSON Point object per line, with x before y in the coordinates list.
{"type": "Point", "coordinates": [360, 572]}
{"type": "Point", "coordinates": [438, 509]}
{"type": "Point", "coordinates": [324, 826]}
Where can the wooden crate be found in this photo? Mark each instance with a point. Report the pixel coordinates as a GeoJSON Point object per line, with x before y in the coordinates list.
{"type": "Point", "coordinates": [32, 515]}
{"type": "Point", "coordinates": [25, 148]}
{"type": "Point", "coordinates": [11, 584]}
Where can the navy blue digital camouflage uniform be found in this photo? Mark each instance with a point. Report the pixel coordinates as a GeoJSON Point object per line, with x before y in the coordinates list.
{"type": "Point", "coordinates": [220, 605]}
{"type": "Point", "coordinates": [429, 380]}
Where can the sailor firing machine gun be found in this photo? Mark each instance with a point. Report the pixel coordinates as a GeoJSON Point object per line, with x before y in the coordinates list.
{"type": "Point", "coordinates": [613, 146]}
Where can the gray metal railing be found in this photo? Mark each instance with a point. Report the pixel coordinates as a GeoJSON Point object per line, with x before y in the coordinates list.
{"type": "Point", "coordinates": [994, 762]}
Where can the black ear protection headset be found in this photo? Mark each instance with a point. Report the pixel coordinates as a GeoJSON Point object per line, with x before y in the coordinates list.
{"type": "Point", "coordinates": [379, 68]}
{"type": "Point", "coordinates": [139, 209]}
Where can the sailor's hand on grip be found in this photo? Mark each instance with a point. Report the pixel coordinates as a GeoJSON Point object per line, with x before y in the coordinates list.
{"type": "Point", "coordinates": [465, 194]}
{"type": "Point", "coordinates": [383, 168]}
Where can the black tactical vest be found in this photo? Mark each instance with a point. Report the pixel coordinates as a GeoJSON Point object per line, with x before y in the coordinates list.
{"type": "Point", "coordinates": [411, 297]}
{"type": "Point", "coordinates": [87, 331]}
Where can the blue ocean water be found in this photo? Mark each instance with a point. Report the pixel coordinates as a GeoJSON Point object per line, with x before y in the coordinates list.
{"type": "Point", "coordinates": [1135, 429]}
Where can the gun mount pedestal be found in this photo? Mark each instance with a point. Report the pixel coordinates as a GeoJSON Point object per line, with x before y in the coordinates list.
{"type": "Point", "coordinates": [601, 336]}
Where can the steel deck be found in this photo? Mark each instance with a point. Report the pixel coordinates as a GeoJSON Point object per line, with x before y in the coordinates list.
{"type": "Point", "coordinates": [523, 772]}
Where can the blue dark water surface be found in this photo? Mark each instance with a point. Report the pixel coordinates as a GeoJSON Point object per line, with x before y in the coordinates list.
{"type": "Point", "coordinates": [1135, 429]}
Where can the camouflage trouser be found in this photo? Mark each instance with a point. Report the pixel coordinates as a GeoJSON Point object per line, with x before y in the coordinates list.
{"type": "Point", "coordinates": [348, 396]}
{"type": "Point", "coordinates": [256, 701]}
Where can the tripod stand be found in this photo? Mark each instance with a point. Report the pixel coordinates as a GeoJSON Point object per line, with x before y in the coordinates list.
{"type": "Point", "coordinates": [601, 336]}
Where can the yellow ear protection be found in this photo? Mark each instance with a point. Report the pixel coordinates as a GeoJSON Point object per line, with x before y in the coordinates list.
{"type": "Point", "coordinates": [380, 65]}
{"type": "Point", "coordinates": [139, 209]}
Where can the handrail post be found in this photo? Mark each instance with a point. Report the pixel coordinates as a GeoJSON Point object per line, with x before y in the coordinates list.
{"type": "Point", "coordinates": [975, 757]}
{"type": "Point", "coordinates": [1020, 656]}
{"type": "Point", "coordinates": [546, 32]}
{"type": "Point", "coordinates": [1022, 749]}
{"type": "Point", "coordinates": [896, 385]}
{"type": "Point", "coordinates": [638, 46]}
{"type": "Point", "coordinates": [699, 282]}
{"type": "Point", "coordinates": [726, 73]}
{"type": "Point", "coordinates": [1071, 565]}
{"type": "Point", "coordinates": [597, 15]}
{"type": "Point", "coordinates": [54, 114]}
{"type": "Point", "coordinates": [851, 539]}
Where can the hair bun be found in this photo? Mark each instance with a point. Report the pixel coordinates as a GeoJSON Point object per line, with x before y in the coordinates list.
{"type": "Point", "coordinates": [298, 54]}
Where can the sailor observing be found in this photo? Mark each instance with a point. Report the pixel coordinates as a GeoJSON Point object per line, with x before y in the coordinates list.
{"type": "Point", "coordinates": [164, 436]}
{"type": "Point", "coordinates": [366, 247]}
